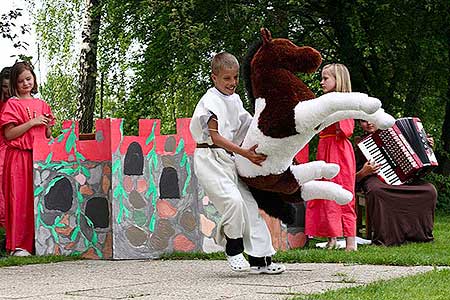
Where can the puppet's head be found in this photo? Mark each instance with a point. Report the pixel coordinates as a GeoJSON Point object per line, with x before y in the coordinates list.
{"type": "Point", "coordinates": [269, 72]}
{"type": "Point", "coordinates": [272, 63]}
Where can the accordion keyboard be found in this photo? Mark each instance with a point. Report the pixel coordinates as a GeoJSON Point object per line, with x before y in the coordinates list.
{"type": "Point", "coordinates": [393, 156]}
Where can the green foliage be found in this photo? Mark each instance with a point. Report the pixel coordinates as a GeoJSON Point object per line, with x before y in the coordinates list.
{"type": "Point", "coordinates": [57, 23]}
{"type": "Point", "coordinates": [154, 55]}
{"type": "Point", "coordinates": [60, 92]}
{"type": "Point", "coordinates": [442, 185]}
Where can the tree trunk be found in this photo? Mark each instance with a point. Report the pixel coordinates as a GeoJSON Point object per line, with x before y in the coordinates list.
{"type": "Point", "coordinates": [339, 13]}
{"type": "Point", "coordinates": [88, 66]}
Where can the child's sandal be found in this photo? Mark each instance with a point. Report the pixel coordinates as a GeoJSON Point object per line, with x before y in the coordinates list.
{"type": "Point", "coordinates": [238, 263]}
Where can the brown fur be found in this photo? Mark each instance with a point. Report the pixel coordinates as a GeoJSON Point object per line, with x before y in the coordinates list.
{"type": "Point", "coordinates": [273, 79]}
{"type": "Point", "coordinates": [270, 74]}
{"type": "Point", "coordinates": [285, 182]}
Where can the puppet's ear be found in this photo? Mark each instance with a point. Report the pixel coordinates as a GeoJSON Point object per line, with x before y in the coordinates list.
{"type": "Point", "coordinates": [266, 35]}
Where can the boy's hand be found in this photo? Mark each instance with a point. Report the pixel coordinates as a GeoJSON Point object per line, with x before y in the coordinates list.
{"type": "Point", "coordinates": [254, 157]}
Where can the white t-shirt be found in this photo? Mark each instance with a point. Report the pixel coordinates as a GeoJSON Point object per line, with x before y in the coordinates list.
{"type": "Point", "coordinates": [233, 119]}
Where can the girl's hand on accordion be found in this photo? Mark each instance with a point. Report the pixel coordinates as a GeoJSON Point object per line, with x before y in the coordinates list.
{"type": "Point", "coordinates": [430, 140]}
{"type": "Point", "coordinates": [370, 168]}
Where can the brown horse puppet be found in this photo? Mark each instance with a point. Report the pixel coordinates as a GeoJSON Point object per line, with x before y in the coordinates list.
{"type": "Point", "coordinates": [287, 116]}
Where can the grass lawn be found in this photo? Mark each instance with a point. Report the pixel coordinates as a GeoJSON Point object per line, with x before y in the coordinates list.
{"type": "Point", "coordinates": [429, 286]}
{"type": "Point", "coordinates": [433, 253]}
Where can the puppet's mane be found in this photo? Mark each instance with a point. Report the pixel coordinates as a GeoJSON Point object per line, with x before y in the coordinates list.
{"type": "Point", "coordinates": [246, 69]}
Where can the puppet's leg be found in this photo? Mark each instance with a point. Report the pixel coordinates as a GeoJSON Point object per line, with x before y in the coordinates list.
{"type": "Point", "coordinates": [326, 190]}
{"type": "Point", "coordinates": [314, 170]}
{"type": "Point", "coordinates": [381, 119]}
{"type": "Point", "coordinates": [309, 114]}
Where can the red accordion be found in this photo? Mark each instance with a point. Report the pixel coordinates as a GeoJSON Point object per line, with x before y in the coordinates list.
{"type": "Point", "coordinates": [402, 150]}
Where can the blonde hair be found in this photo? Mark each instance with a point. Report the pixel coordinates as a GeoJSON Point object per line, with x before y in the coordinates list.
{"type": "Point", "coordinates": [223, 60]}
{"type": "Point", "coordinates": [342, 76]}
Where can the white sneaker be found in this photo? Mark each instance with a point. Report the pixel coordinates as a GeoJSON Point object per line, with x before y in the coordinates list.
{"type": "Point", "coordinates": [271, 269]}
{"type": "Point", "coordinates": [238, 263]}
{"type": "Point", "coordinates": [21, 253]}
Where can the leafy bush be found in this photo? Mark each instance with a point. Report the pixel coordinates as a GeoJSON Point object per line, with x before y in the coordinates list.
{"type": "Point", "coordinates": [442, 184]}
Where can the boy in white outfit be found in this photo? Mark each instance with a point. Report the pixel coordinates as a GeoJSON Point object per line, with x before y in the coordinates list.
{"type": "Point", "coordinates": [219, 125]}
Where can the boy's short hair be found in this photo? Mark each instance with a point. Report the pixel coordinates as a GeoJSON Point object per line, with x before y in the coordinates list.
{"type": "Point", "coordinates": [223, 60]}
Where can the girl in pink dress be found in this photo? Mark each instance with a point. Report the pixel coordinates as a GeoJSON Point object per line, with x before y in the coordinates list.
{"type": "Point", "coordinates": [23, 119]}
{"type": "Point", "coordinates": [327, 218]}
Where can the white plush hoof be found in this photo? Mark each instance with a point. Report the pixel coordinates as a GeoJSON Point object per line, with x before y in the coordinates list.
{"type": "Point", "coordinates": [330, 170]}
{"type": "Point", "coordinates": [325, 190]}
{"type": "Point", "coordinates": [343, 197]}
{"type": "Point", "coordinates": [370, 105]}
{"type": "Point", "coordinates": [383, 120]}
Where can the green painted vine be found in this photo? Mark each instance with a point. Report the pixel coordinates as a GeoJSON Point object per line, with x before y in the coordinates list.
{"type": "Point", "coordinates": [152, 157]}
{"type": "Point", "coordinates": [72, 169]}
{"type": "Point", "coordinates": [119, 192]}
{"type": "Point", "coordinates": [184, 163]}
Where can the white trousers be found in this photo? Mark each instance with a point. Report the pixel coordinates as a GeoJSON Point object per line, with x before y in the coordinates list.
{"type": "Point", "coordinates": [217, 174]}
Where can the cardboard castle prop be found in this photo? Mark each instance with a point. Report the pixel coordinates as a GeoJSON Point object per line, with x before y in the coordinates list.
{"type": "Point", "coordinates": [126, 197]}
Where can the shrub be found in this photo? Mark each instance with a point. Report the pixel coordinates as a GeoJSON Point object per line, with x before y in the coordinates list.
{"type": "Point", "coordinates": [442, 184]}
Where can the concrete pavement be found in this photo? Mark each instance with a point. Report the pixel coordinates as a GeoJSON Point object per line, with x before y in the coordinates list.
{"type": "Point", "coordinates": [181, 279]}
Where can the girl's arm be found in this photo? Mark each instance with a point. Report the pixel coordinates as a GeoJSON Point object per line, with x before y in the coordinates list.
{"type": "Point", "coordinates": [12, 131]}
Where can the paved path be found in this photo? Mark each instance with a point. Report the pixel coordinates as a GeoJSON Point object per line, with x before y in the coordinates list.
{"type": "Point", "coordinates": [157, 279]}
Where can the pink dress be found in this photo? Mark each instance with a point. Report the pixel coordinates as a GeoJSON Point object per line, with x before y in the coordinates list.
{"type": "Point", "coordinates": [2, 159]}
{"type": "Point", "coordinates": [17, 179]}
{"type": "Point", "coordinates": [326, 218]}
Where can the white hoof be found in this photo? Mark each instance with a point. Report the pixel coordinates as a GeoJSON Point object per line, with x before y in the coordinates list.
{"type": "Point", "coordinates": [370, 105]}
{"type": "Point", "coordinates": [383, 120]}
{"type": "Point", "coordinates": [343, 197]}
{"type": "Point", "coordinates": [325, 190]}
{"type": "Point", "coordinates": [330, 170]}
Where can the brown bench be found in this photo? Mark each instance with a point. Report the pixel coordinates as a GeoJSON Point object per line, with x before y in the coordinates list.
{"type": "Point", "coordinates": [362, 223]}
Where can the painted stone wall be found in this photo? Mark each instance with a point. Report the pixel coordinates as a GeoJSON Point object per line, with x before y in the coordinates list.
{"type": "Point", "coordinates": [72, 182]}
{"type": "Point", "coordinates": [126, 197]}
{"type": "Point", "coordinates": [155, 195]}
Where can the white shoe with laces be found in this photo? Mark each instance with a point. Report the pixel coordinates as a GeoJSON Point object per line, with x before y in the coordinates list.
{"type": "Point", "coordinates": [271, 269]}
{"type": "Point", "coordinates": [238, 263]}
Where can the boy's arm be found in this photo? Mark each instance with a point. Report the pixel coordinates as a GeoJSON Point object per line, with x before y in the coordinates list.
{"type": "Point", "coordinates": [222, 142]}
